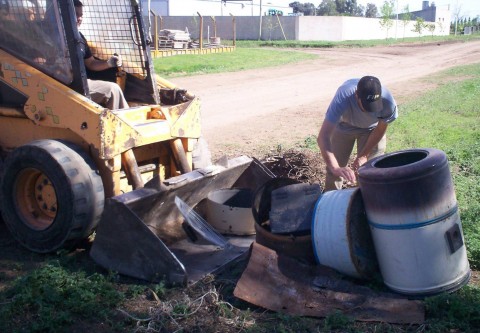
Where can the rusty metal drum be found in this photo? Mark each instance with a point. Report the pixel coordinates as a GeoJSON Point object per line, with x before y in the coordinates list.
{"type": "Point", "coordinates": [295, 245]}
{"type": "Point", "coordinates": [412, 211]}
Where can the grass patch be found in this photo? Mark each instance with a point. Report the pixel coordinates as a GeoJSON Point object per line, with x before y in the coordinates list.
{"type": "Point", "coordinates": [458, 312]}
{"type": "Point", "coordinates": [259, 54]}
{"type": "Point", "coordinates": [52, 298]}
{"type": "Point", "coordinates": [352, 43]}
{"type": "Point", "coordinates": [240, 59]}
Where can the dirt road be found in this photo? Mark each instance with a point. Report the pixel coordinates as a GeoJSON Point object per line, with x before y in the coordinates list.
{"type": "Point", "coordinates": [251, 111]}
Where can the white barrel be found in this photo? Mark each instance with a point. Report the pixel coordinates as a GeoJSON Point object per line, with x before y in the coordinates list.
{"type": "Point", "coordinates": [425, 258]}
{"type": "Point", "coordinates": [412, 210]}
{"type": "Point", "coordinates": [341, 236]}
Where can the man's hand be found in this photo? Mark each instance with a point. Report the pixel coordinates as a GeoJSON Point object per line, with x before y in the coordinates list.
{"type": "Point", "coordinates": [115, 61]}
{"type": "Point", "coordinates": [345, 173]}
{"type": "Point", "coordinates": [359, 161]}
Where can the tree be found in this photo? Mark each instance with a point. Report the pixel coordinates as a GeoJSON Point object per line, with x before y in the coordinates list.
{"type": "Point", "coordinates": [308, 9]}
{"type": "Point", "coordinates": [295, 5]}
{"type": "Point", "coordinates": [340, 7]}
{"type": "Point", "coordinates": [419, 25]}
{"type": "Point", "coordinates": [441, 26]}
{"type": "Point", "coordinates": [371, 10]}
{"type": "Point", "coordinates": [386, 11]}
{"type": "Point", "coordinates": [406, 18]}
{"type": "Point", "coordinates": [347, 7]}
{"type": "Point", "coordinates": [359, 11]}
{"type": "Point", "coordinates": [475, 21]}
{"type": "Point", "coordinates": [431, 27]}
{"type": "Point", "coordinates": [456, 14]}
{"type": "Point", "coordinates": [327, 8]}
{"type": "Point", "coordinates": [271, 24]}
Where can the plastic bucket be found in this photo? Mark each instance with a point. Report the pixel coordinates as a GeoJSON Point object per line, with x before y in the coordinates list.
{"type": "Point", "coordinates": [412, 211]}
{"type": "Point", "coordinates": [340, 234]}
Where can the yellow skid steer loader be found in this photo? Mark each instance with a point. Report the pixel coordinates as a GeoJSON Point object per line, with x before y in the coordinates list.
{"type": "Point", "coordinates": [71, 167]}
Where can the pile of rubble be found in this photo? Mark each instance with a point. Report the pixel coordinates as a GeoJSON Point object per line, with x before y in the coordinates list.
{"type": "Point", "coordinates": [178, 39]}
{"type": "Point", "coordinates": [174, 39]}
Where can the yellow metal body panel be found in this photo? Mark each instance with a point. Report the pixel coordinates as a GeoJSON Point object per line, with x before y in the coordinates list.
{"type": "Point", "coordinates": [161, 53]}
{"type": "Point", "coordinates": [148, 124]}
{"type": "Point", "coordinates": [54, 111]}
{"type": "Point", "coordinates": [51, 104]}
{"type": "Point", "coordinates": [20, 131]}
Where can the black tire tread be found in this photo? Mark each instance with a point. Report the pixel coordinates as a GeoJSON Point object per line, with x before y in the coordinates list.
{"type": "Point", "coordinates": [75, 179]}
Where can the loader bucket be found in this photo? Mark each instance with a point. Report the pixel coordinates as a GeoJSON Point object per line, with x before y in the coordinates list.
{"type": "Point", "coordinates": [141, 234]}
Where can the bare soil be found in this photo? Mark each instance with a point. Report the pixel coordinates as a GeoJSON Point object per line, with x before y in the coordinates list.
{"type": "Point", "coordinates": [254, 111]}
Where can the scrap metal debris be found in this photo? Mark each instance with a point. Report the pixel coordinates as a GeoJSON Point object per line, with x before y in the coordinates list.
{"type": "Point", "coordinates": [175, 39]}
{"type": "Point", "coordinates": [283, 284]}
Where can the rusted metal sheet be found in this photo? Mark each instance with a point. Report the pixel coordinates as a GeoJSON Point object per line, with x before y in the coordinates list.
{"type": "Point", "coordinates": [282, 284]}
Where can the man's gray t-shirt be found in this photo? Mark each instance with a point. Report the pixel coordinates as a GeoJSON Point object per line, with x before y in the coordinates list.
{"type": "Point", "coordinates": [345, 111]}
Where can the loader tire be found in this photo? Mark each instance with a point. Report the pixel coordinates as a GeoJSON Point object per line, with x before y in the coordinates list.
{"type": "Point", "coordinates": [201, 155]}
{"type": "Point", "coordinates": [51, 195]}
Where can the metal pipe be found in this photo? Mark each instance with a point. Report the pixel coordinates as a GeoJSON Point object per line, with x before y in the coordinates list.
{"type": "Point", "coordinates": [155, 20]}
{"type": "Point", "coordinates": [234, 30]}
{"type": "Point", "coordinates": [168, 84]}
{"type": "Point", "coordinates": [200, 33]}
{"type": "Point", "coordinates": [260, 28]}
{"type": "Point", "coordinates": [280, 23]}
{"type": "Point", "coordinates": [180, 155]}
{"type": "Point", "coordinates": [132, 171]}
{"type": "Point", "coordinates": [214, 26]}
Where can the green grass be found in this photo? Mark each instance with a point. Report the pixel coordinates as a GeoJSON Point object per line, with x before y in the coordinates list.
{"type": "Point", "coordinates": [52, 298]}
{"type": "Point", "coordinates": [457, 312]}
{"type": "Point", "coordinates": [240, 59]}
{"type": "Point", "coordinates": [353, 43]}
{"type": "Point", "coordinates": [258, 54]}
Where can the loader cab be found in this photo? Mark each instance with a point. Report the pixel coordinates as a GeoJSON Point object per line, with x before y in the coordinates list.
{"type": "Point", "coordinates": [44, 34]}
{"type": "Point", "coordinates": [35, 32]}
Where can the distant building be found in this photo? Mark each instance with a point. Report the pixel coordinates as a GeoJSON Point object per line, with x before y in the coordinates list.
{"type": "Point", "coordinates": [208, 8]}
{"type": "Point", "coordinates": [160, 7]}
{"type": "Point", "coordinates": [432, 13]}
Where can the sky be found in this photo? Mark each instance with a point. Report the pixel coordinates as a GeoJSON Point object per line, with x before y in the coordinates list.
{"type": "Point", "coordinates": [466, 8]}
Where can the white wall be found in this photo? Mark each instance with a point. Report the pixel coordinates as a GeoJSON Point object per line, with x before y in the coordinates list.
{"type": "Point", "coordinates": [338, 28]}
{"type": "Point", "coordinates": [304, 28]}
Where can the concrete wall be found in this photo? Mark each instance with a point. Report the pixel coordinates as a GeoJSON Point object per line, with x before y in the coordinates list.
{"type": "Point", "coordinates": [303, 28]}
